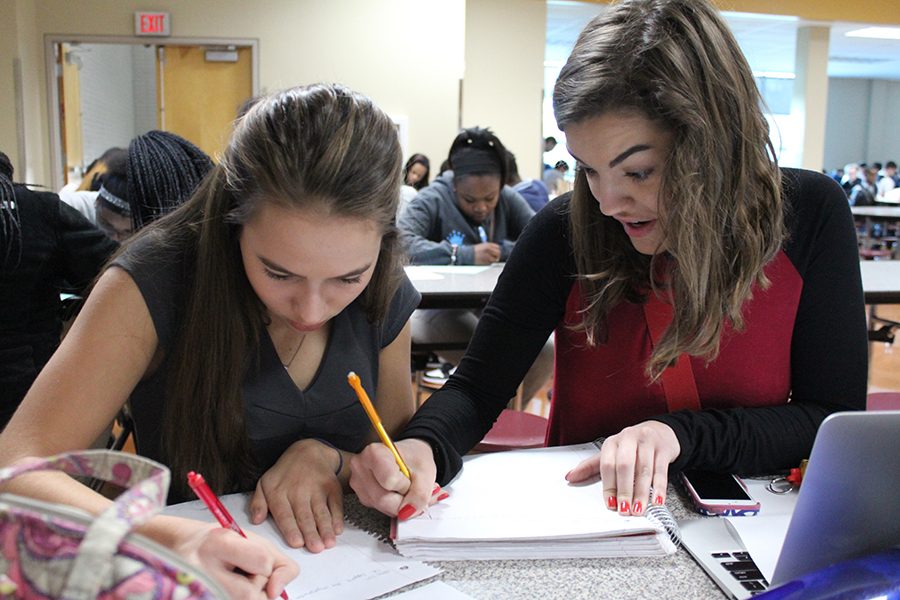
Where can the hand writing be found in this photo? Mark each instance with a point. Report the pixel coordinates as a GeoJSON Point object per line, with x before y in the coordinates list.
{"type": "Point", "coordinates": [245, 567]}
{"type": "Point", "coordinates": [378, 482]}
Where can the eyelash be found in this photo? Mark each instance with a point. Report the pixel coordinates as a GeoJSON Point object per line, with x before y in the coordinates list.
{"type": "Point", "coordinates": [640, 175]}
{"type": "Point", "coordinates": [275, 276]}
{"type": "Point", "coordinates": [279, 277]}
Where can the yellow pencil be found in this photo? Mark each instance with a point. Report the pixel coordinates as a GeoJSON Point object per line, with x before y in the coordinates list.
{"type": "Point", "coordinates": [356, 384]}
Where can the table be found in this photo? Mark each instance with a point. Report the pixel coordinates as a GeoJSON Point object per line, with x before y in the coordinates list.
{"type": "Point", "coordinates": [471, 287]}
{"type": "Point", "coordinates": [881, 212]}
{"type": "Point", "coordinates": [881, 281]}
{"type": "Point", "coordinates": [674, 576]}
{"type": "Point", "coordinates": [454, 286]}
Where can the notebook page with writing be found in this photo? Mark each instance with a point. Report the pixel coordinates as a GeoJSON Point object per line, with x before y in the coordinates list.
{"type": "Point", "coordinates": [360, 566]}
{"type": "Point", "coordinates": [518, 504]}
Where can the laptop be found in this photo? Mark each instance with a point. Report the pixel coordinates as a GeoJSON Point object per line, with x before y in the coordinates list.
{"type": "Point", "coordinates": [842, 512]}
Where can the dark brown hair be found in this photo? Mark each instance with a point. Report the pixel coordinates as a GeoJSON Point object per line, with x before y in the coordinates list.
{"type": "Point", "coordinates": [321, 146]}
{"type": "Point", "coordinates": [721, 207]}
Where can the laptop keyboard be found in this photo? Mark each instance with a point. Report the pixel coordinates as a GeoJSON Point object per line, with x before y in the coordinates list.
{"type": "Point", "coordinates": [743, 569]}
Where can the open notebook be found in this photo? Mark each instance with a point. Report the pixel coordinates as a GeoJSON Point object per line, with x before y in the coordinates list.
{"type": "Point", "coordinates": [360, 566]}
{"type": "Point", "coordinates": [518, 505]}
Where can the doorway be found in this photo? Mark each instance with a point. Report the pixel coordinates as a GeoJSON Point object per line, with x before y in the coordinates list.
{"type": "Point", "coordinates": [104, 92]}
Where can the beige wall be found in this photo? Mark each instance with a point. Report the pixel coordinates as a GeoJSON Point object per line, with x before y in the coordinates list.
{"type": "Point", "coordinates": [406, 54]}
{"type": "Point", "coordinates": [8, 52]}
{"type": "Point", "coordinates": [503, 87]}
{"type": "Point", "coordinates": [17, 46]}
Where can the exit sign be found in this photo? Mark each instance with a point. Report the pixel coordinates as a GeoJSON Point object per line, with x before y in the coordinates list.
{"type": "Point", "coordinates": [152, 23]}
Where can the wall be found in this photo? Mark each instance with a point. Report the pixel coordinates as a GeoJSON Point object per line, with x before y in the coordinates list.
{"type": "Point", "coordinates": [863, 122]}
{"type": "Point", "coordinates": [406, 54]}
{"type": "Point", "coordinates": [504, 80]}
{"type": "Point", "coordinates": [8, 89]}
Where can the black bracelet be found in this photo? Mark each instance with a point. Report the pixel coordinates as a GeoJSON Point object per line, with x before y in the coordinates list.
{"type": "Point", "coordinates": [340, 466]}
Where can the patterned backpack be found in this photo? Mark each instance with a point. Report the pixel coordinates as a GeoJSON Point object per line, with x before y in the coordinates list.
{"type": "Point", "coordinates": [50, 551]}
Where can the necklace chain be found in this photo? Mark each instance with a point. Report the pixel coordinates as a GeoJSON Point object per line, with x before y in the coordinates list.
{"type": "Point", "coordinates": [288, 364]}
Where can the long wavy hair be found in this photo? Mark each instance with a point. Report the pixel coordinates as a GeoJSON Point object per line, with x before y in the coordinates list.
{"type": "Point", "coordinates": [322, 147]}
{"type": "Point", "coordinates": [721, 208]}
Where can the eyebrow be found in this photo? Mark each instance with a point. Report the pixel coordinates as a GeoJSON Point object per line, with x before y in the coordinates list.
{"type": "Point", "coordinates": [276, 267]}
{"type": "Point", "coordinates": [634, 149]}
{"type": "Point", "coordinates": [488, 197]}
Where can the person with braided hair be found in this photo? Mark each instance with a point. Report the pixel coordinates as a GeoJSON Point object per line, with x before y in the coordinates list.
{"type": "Point", "coordinates": [161, 171]}
{"type": "Point", "coordinates": [43, 242]}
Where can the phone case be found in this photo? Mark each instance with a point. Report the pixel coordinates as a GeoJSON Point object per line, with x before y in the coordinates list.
{"type": "Point", "coordinates": [721, 510]}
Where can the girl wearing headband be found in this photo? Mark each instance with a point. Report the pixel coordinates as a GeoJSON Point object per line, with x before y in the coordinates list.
{"type": "Point", "coordinates": [468, 216]}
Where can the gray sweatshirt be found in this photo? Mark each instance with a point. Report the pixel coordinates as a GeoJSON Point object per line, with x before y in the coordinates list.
{"type": "Point", "coordinates": [433, 219]}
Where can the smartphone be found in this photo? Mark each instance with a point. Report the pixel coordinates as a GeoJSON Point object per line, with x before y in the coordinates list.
{"type": "Point", "coordinates": [720, 494]}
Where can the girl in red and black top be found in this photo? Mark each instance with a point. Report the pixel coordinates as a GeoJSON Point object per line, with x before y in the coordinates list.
{"type": "Point", "coordinates": [707, 304]}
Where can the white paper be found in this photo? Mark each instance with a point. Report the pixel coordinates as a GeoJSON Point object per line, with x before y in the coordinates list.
{"type": "Point", "coordinates": [436, 272]}
{"type": "Point", "coordinates": [360, 566]}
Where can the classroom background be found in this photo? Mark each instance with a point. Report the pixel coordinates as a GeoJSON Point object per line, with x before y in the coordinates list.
{"type": "Point", "coordinates": [77, 78]}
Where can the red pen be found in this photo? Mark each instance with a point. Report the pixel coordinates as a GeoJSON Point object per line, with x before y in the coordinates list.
{"type": "Point", "coordinates": [215, 506]}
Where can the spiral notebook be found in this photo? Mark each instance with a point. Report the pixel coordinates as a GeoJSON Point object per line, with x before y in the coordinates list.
{"type": "Point", "coordinates": [518, 505]}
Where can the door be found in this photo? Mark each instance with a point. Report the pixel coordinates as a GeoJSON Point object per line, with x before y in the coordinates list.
{"type": "Point", "coordinates": [68, 65]}
{"type": "Point", "coordinates": [200, 90]}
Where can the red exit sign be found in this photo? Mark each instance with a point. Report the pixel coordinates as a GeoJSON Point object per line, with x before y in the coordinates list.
{"type": "Point", "coordinates": [152, 23]}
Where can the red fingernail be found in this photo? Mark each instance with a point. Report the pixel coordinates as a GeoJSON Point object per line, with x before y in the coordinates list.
{"type": "Point", "coordinates": [443, 496]}
{"type": "Point", "coordinates": [659, 500]}
{"type": "Point", "coordinates": [638, 507]}
{"type": "Point", "coordinates": [624, 506]}
{"type": "Point", "coordinates": [436, 489]}
{"type": "Point", "coordinates": [611, 502]}
{"type": "Point", "coordinates": [406, 511]}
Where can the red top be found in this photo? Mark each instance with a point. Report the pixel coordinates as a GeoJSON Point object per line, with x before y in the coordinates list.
{"type": "Point", "coordinates": [600, 390]}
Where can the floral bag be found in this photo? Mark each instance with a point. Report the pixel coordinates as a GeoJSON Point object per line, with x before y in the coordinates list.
{"type": "Point", "coordinates": [51, 551]}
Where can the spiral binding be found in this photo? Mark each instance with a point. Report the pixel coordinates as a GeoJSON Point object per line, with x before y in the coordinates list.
{"type": "Point", "coordinates": [660, 516]}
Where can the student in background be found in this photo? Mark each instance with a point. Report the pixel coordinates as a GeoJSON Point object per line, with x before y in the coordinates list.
{"type": "Point", "coordinates": [160, 172]}
{"type": "Point", "coordinates": [82, 196]}
{"type": "Point", "coordinates": [468, 216]}
{"type": "Point", "coordinates": [416, 171]}
{"type": "Point", "coordinates": [555, 179]}
{"type": "Point", "coordinates": [43, 243]}
{"type": "Point", "coordinates": [163, 171]}
{"type": "Point", "coordinates": [532, 190]}
{"type": "Point", "coordinates": [682, 241]}
{"type": "Point", "coordinates": [231, 324]}
{"type": "Point", "coordinates": [415, 177]}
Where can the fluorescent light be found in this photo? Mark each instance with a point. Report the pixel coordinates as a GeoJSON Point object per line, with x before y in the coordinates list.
{"type": "Point", "coordinates": [774, 74]}
{"type": "Point", "coordinates": [878, 33]}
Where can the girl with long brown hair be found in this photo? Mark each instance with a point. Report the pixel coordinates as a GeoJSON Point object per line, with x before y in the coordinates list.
{"type": "Point", "coordinates": [230, 326]}
{"type": "Point", "coordinates": [707, 303]}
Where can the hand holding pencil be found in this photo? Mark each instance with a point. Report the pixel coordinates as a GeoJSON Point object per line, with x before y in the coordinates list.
{"type": "Point", "coordinates": [379, 489]}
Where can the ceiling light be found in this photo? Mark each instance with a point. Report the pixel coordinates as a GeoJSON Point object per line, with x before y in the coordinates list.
{"type": "Point", "coordinates": [774, 74]}
{"type": "Point", "coordinates": [878, 33]}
